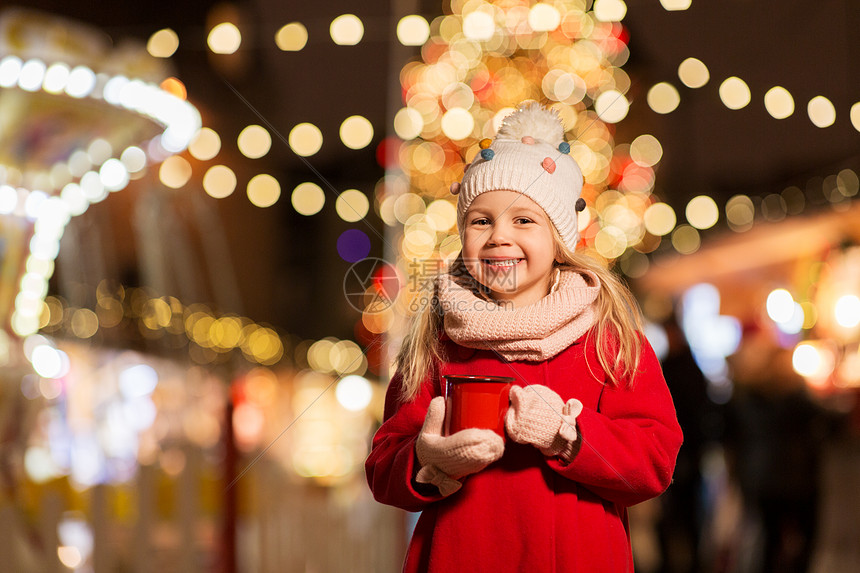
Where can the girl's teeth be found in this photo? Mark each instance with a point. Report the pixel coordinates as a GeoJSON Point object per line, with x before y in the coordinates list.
{"type": "Point", "coordinates": [508, 263]}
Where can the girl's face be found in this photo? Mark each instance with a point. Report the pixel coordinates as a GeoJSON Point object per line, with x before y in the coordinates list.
{"type": "Point", "coordinates": [508, 246]}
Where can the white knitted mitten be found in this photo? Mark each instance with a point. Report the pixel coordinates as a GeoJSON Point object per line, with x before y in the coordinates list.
{"type": "Point", "coordinates": [539, 416]}
{"type": "Point", "coordinates": [445, 459]}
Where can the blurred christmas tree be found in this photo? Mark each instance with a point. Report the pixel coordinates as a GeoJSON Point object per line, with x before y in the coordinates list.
{"type": "Point", "coordinates": [480, 61]}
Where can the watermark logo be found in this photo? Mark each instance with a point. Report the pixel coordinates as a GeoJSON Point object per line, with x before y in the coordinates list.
{"type": "Point", "coordinates": [371, 285]}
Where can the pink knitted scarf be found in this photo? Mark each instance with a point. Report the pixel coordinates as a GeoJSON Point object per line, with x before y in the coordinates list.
{"type": "Point", "coordinates": [535, 332]}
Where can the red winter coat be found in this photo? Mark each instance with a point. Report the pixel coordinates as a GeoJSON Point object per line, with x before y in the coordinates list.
{"type": "Point", "coordinates": [526, 512]}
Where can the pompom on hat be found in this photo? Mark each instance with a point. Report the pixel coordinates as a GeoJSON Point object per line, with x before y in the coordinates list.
{"type": "Point", "coordinates": [528, 155]}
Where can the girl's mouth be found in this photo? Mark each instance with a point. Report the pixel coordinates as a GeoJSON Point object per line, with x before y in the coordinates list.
{"type": "Point", "coordinates": [500, 264]}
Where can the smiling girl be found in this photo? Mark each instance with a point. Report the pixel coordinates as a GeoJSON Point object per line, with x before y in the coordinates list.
{"type": "Point", "coordinates": [591, 426]}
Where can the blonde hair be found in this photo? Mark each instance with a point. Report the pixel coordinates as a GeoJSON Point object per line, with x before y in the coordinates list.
{"type": "Point", "coordinates": [617, 338]}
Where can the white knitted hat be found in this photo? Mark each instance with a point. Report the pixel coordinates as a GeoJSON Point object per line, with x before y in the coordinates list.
{"type": "Point", "coordinates": [529, 155]}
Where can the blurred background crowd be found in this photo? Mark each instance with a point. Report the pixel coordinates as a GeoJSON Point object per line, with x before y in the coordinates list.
{"type": "Point", "coordinates": [215, 218]}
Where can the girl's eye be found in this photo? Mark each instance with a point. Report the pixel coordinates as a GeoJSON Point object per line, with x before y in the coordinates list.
{"type": "Point", "coordinates": [523, 220]}
{"type": "Point", "coordinates": [479, 222]}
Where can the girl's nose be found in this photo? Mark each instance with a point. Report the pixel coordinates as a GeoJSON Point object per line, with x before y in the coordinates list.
{"type": "Point", "coordinates": [498, 236]}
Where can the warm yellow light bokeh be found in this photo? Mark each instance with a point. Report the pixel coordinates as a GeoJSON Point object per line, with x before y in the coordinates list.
{"type": "Point", "coordinates": [442, 214]}
{"type": "Point", "coordinates": [740, 213]}
{"type": "Point", "coordinates": [346, 30]}
{"type": "Point", "coordinates": [702, 212]}
{"type": "Point", "coordinates": [478, 25]}
{"type": "Point", "coordinates": [610, 10]}
{"type": "Point", "coordinates": [778, 102]}
{"type": "Point", "coordinates": [291, 37]}
{"type": "Point", "coordinates": [254, 141]}
{"type": "Point", "coordinates": [734, 93]}
{"type": "Point", "coordinates": [413, 30]}
{"type": "Point", "coordinates": [224, 38]}
{"type": "Point", "coordinates": [611, 106]}
{"type": "Point", "coordinates": [686, 240]}
{"type": "Point", "coordinates": [693, 73]}
{"type": "Point", "coordinates": [163, 43]}
{"type": "Point", "coordinates": [855, 116]}
{"type": "Point", "coordinates": [408, 123]}
{"type": "Point", "coordinates": [305, 139]}
{"type": "Point", "coordinates": [206, 145]}
{"type": "Point", "coordinates": [352, 205]}
{"type": "Point", "coordinates": [544, 17]}
{"type": "Point", "coordinates": [646, 150]}
{"type": "Point", "coordinates": [457, 123]}
{"type": "Point", "coordinates": [674, 5]}
{"type": "Point", "coordinates": [84, 323]}
{"type": "Point", "coordinates": [175, 171]}
{"type": "Point", "coordinates": [356, 132]}
{"type": "Point", "coordinates": [307, 198]}
{"type": "Point", "coordinates": [263, 190]}
{"type": "Point", "coordinates": [219, 181]}
{"type": "Point", "coordinates": [610, 242]}
{"type": "Point", "coordinates": [821, 111]}
{"type": "Point", "coordinates": [660, 219]}
{"type": "Point", "coordinates": [663, 98]}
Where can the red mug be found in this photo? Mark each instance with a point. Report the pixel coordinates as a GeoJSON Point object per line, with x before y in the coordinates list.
{"type": "Point", "coordinates": [476, 402]}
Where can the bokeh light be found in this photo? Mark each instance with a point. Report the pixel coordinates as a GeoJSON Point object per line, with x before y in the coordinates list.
{"type": "Point", "coordinates": [32, 75]}
{"type": "Point", "coordinates": [457, 123]}
{"type": "Point", "coordinates": [206, 145]}
{"type": "Point", "coordinates": [254, 141]}
{"type": "Point", "coordinates": [663, 98]}
{"type": "Point", "coordinates": [544, 17]}
{"type": "Point", "coordinates": [646, 150]}
{"type": "Point", "coordinates": [855, 116]}
{"type": "Point", "coordinates": [693, 73]}
{"type": "Point", "coordinates": [163, 43]}
{"type": "Point", "coordinates": [778, 102]}
{"type": "Point", "coordinates": [291, 37]}
{"type": "Point", "coordinates": [610, 10]}
{"type": "Point", "coordinates": [702, 212]}
{"type": "Point", "coordinates": [219, 181]}
{"type": "Point", "coordinates": [56, 77]}
{"type": "Point", "coordinates": [353, 245]}
{"type": "Point", "coordinates": [356, 132]}
{"type": "Point", "coordinates": [610, 242]}
{"type": "Point", "coordinates": [478, 25]}
{"type": "Point", "coordinates": [674, 5]}
{"type": "Point", "coordinates": [224, 38]}
{"type": "Point", "coordinates": [174, 86]}
{"type": "Point", "coordinates": [740, 213]}
{"type": "Point", "coordinates": [821, 111]}
{"type": "Point", "coordinates": [307, 198]}
{"type": "Point", "coordinates": [812, 359]}
{"type": "Point", "coordinates": [660, 219]}
{"type": "Point", "coordinates": [686, 239]}
{"type": "Point", "coordinates": [780, 305]}
{"type": "Point", "coordinates": [413, 30]}
{"type": "Point", "coordinates": [134, 159]}
{"type": "Point", "coordinates": [734, 93]}
{"type": "Point", "coordinates": [263, 190]}
{"type": "Point", "coordinates": [346, 30]}
{"type": "Point", "coordinates": [354, 393]}
{"type": "Point", "coordinates": [611, 106]}
{"type": "Point", "coordinates": [352, 205]}
{"type": "Point", "coordinates": [305, 139]}
{"type": "Point", "coordinates": [174, 172]}
{"type": "Point", "coordinates": [847, 311]}
{"type": "Point", "coordinates": [113, 174]}
{"type": "Point", "coordinates": [408, 123]}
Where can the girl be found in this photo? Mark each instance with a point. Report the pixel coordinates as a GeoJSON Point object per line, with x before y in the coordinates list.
{"type": "Point", "coordinates": [591, 426]}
